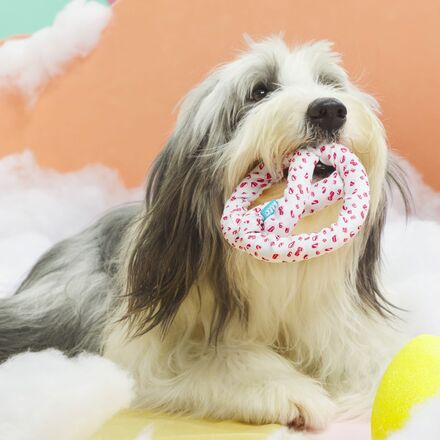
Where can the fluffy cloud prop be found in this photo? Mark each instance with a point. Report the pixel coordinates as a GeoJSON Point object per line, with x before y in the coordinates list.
{"type": "Point", "coordinates": [40, 207]}
{"type": "Point", "coordinates": [410, 274]}
{"type": "Point", "coordinates": [28, 64]}
{"type": "Point", "coordinates": [426, 202]}
{"type": "Point", "coordinates": [423, 424]}
{"type": "Point", "coordinates": [46, 396]}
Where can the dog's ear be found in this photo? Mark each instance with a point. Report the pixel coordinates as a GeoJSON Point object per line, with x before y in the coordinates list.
{"type": "Point", "coordinates": [369, 267]}
{"type": "Point", "coordinates": [179, 242]}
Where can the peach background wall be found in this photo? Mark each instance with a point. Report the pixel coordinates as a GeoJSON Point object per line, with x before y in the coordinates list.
{"type": "Point", "coordinates": [116, 106]}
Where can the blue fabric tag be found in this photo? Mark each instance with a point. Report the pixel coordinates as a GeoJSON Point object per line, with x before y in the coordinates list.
{"type": "Point", "coordinates": [269, 209]}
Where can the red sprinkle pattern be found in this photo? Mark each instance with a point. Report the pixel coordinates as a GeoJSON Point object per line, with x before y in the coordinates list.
{"type": "Point", "coordinates": [270, 239]}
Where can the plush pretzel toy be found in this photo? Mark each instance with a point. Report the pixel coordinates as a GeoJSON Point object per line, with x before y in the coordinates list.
{"type": "Point", "coordinates": [266, 231]}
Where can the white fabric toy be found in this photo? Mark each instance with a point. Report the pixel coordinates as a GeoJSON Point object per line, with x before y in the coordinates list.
{"type": "Point", "coordinates": [266, 232]}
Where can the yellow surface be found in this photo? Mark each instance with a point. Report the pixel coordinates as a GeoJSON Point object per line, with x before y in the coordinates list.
{"type": "Point", "coordinates": [128, 424]}
{"type": "Point", "coordinates": [412, 377]}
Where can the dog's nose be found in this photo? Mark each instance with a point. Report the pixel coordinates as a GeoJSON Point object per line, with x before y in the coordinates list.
{"type": "Point", "coordinates": [329, 114]}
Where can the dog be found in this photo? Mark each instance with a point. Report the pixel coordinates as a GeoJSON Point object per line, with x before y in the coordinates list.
{"type": "Point", "coordinates": [204, 328]}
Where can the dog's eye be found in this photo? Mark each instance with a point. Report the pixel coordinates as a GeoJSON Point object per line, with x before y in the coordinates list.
{"type": "Point", "coordinates": [329, 80]}
{"type": "Point", "coordinates": [259, 92]}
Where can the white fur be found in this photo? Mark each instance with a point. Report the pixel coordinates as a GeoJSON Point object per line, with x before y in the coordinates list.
{"type": "Point", "coordinates": [47, 396]}
{"type": "Point", "coordinates": [28, 64]}
{"type": "Point", "coordinates": [308, 351]}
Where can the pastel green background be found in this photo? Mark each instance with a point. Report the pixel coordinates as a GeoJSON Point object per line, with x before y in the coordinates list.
{"type": "Point", "coordinates": [27, 16]}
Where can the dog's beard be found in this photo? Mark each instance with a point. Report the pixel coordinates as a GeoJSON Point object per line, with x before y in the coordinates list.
{"type": "Point", "coordinates": [321, 171]}
{"type": "Point", "coordinates": [322, 137]}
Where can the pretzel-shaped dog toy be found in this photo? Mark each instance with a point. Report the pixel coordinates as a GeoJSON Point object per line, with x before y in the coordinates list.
{"type": "Point", "coordinates": [266, 231]}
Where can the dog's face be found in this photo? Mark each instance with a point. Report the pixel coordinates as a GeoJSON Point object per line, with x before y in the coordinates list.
{"type": "Point", "coordinates": [273, 100]}
{"type": "Point", "coordinates": [270, 101]}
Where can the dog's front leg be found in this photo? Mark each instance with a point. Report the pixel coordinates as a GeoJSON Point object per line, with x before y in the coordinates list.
{"type": "Point", "coordinates": [250, 383]}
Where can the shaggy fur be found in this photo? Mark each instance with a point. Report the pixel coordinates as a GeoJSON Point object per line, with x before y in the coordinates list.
{"type": "Point", "coordinates": [204, 328]}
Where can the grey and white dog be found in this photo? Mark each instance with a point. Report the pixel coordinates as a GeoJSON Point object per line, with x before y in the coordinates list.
{"type": "Point", "coordinates": [205, 329]}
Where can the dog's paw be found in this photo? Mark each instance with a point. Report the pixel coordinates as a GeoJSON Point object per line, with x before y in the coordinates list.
{"type": "Point", "coordinates": [310, 408]}
{"type": "Point", "coordinates": [298, 402]}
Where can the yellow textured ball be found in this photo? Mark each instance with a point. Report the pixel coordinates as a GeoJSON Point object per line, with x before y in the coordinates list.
{"type": "Point", "coordinates": [412, 377]}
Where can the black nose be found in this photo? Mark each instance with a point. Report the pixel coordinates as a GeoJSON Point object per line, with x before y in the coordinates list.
{"type": "Point", "coordinates": [329, 114]}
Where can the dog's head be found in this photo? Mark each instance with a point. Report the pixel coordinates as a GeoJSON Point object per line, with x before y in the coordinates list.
{"type": "Point", "coordinates": [268, 102]}
{"type": "Point", "coordinates": [273, 100]}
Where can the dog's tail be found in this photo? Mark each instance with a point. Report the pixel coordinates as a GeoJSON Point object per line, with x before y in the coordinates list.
{"type": "Point", "coordinates": [68, 296]}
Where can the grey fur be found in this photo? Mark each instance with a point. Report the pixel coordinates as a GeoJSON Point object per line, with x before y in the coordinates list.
{"type": "Point", "coordinates": [180, 240]}
{"type": "Point", "coordinates": [65, 300]}
{"type": "Point", "coordinates": [369, 268]}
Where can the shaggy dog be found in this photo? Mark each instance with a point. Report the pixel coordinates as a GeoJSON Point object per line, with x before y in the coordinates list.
{"type": "Point", "coordinates": [204, 328]}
